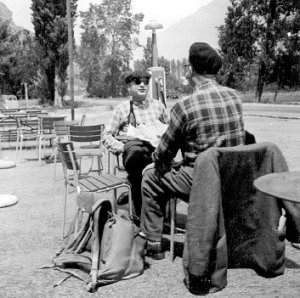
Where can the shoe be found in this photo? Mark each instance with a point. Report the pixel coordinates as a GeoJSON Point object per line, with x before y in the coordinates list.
{"type": "Point", "coordinates": [123, 198]}
{"type": "Point", "coordinates": [154, 250]}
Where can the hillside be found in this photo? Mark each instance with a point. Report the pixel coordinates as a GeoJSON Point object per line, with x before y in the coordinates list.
{"type": "Point", "coordinates": [174, 42]}
{"type": "Point", "coordinates": [7, 15]}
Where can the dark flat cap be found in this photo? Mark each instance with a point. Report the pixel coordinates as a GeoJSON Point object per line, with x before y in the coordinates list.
{"type": "Point", "coordinates": [137, 74]}
{"type": "Point", "coordinates": [204, 58]}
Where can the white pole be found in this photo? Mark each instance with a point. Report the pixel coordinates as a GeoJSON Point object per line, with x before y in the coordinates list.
{"type": "Point", "coordinates": [26, 94]}
{"type": "Point", "coordinates": [71, 65]}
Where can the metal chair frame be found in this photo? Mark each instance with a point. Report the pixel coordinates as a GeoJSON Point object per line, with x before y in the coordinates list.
{"type": "Point", "coordinates": [27, 130]}
{"type": "Point", "coordinates": [46, 132]}
{"type": "Point", "coordinates": [72, 178]}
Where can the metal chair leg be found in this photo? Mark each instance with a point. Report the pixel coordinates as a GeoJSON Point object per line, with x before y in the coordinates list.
{"type": "Point", "coordinates": [173, 202]}
{"type": "Point", "coordinates": [65, 209]}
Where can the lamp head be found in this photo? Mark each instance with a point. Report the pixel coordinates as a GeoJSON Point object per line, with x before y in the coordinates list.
{"type": "Point", "coordinates": [153, 25]}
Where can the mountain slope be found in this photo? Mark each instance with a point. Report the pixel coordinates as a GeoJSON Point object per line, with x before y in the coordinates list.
{"type": "Point", "coordinates": [174, 42]}
{"type": "Point", "coordinates": [5, 13]}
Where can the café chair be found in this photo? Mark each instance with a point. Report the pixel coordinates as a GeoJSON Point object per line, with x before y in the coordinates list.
{"type": "Point", "coordinates": [61, 133]}
{"type": "Point", "coordinates": [114, 163]}
{"type": "Point", "coordinates": [87, 141]}
{"type": "Point", "coordinates": [46, 132]}
{"type": "Point", "coordinates": [73, 180]}
{"type": "Point", "coordinates": [27, 130]}
{"type": "Point", "coordinates": [61, 129]}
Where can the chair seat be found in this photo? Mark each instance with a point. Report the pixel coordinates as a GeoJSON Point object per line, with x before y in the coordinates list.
{"type": "Point", "coordinates": [48, 136]}
{"type": "Point", "coordinates": [89, 152]}
{"type": "Point", "coordinates": [101, 183]}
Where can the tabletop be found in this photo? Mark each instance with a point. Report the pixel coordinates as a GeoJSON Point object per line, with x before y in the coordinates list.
{"type": "Point", "coordinates": [285, 185]}
{"type": "Point", "coordinates": [71, 122]}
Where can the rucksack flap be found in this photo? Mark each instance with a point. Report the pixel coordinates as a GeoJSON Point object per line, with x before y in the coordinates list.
{"type": "Point", "coordinates": [122, 250]}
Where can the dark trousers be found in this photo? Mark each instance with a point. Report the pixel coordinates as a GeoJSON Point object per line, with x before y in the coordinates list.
{"type": "Point", "coordinates": [156, 191]}
{"type": "Point", "coordinates": [136, 156]}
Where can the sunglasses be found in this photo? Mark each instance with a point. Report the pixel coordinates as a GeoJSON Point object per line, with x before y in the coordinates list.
{"type": "Point", "coordinates": [138, 81]}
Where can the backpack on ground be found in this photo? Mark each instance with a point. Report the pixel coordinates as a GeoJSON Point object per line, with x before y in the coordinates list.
{"type": "Point", "coordinates": [102, 244]}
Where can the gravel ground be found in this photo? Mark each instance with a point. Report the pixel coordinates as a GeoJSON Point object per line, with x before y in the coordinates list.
{"type": "Point", "coordinates": [31, 231]}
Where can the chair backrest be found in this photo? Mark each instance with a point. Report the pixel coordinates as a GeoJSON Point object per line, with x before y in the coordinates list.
{"type": "Point", "coordinates": [47, 123]}
{"type": "Point", "coordinates": [85, 134]}
{"type": "Point", "coordinates": [69, 161]}
{"type": "Point", "coordinates": [60, 128]}
{"type": "Point", "coordinates": [28, 124]}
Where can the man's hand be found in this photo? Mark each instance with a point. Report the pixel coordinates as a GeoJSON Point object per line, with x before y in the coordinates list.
{"type": "Point", "coordinates": [113, 145]}
{"type": "Point", "coordinates": [118, 149]}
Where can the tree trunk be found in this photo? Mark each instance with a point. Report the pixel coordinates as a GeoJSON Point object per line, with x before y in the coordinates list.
{"type": "Point", "coordinates": [260, 81]}
{"type": "Point", "coordinates": [276, 93]}
{"type": "Point", "coordinates": [50, 74]}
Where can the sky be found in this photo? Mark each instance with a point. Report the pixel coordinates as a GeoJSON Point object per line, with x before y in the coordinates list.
{"type": "Point", "coordinates": [166, 12]}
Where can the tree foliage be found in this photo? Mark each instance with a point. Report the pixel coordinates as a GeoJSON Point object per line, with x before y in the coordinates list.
{"type": "Point", "coordinates": [51, 32]}
{"type": "Point", "coordinates": [18, 61]}
{"type": "Point", "coordinates": [106, 48]}
{"type": "Point", "coordinates": [254, 37]}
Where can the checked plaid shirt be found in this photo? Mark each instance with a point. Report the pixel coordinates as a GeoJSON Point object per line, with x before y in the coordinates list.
{"type": "Point", "coordinates": [146, 112]}
{"type": "Point", "coordinates": [212, 116]}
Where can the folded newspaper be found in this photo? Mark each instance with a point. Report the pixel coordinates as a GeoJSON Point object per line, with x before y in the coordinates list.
{"type": "Point", "coordinates": [148, 132]}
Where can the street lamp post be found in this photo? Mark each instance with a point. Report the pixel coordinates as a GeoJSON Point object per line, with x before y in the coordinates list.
{"type": "Point", "coordinates": [158, 76]}
{"type": "Point", "coordinates": [71, 65]}
{"type": "Point", "coordinates": [153, 25]}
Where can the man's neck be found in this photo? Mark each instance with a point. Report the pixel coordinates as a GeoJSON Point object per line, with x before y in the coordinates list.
{"type": "Point", "coordinates": [201, 80]}
{"type": "Point", "coordinates": [139, 102]}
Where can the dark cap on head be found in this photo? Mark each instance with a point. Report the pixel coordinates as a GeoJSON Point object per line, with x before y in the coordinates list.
{"type": "Point", "coordinates": [137, 74]}
{"type": "Point", "coordinates": [204, 59]}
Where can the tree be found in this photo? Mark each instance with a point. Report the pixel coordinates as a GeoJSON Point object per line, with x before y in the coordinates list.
{"type": "Point", "coordinates": [51, 32]}
{"type": "Point", "coordinates": [251, 35]}
{"type": "Point", "coordinates": [18, 61]}
{"type": "Point", "coordinates": [106, 45]}
{"type": "Point", "coordinates": [24, 64]}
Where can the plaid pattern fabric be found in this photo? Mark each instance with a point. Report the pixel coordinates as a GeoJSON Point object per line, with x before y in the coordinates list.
{"type": "Point", "coordinates": [212, 116]}
{"type": "Point", "coordinates": [145, 113]}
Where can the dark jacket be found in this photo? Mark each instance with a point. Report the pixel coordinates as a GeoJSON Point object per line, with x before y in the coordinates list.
{"type": "Point", "coordinates": [229, 222]}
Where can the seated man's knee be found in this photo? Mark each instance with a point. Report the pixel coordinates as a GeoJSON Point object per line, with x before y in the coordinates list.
{"type": "Point", "coordinates": [136, 161]}
{"type": "Point", "coordinates": [149, 178]}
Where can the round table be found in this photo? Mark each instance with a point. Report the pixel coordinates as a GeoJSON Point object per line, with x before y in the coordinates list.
{"type": "Point", "coordinates": [7, 200]}
{"type": "Point", "coordinates": [284, 185]}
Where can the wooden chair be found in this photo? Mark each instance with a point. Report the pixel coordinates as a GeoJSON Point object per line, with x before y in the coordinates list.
{"type": "Point", "coordinates": [87, 140]}
{"type": "Point", "coordinates": [46, 132]}
{"type": "Point", "coordinates": [101, 183]}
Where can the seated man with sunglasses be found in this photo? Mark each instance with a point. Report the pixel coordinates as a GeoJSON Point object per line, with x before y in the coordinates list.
{"type": "Point", "coordinates": [140, 109]}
